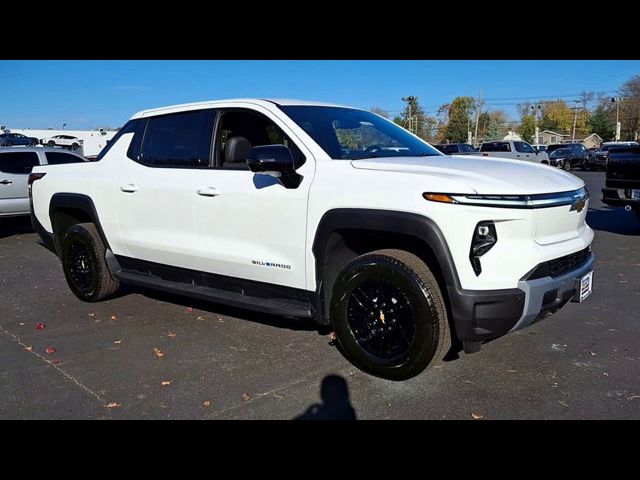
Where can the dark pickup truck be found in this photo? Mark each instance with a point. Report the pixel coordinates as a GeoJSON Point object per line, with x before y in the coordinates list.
{"type": "Point", "coordinates": [623, 178]}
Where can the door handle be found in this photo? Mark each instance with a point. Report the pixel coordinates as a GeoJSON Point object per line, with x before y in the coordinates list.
{"type": "Point", "coordinates": [6, 182]}
{"type": "Point", "coordinates": [208, 191]}
{"type": "Point", "coordinates": [129, 188]}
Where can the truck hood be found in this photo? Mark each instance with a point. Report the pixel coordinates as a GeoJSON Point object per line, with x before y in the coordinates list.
{"type": "Point", "coordinates": [481, 175]}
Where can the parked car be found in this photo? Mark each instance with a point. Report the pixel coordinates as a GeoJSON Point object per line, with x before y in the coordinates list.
{"type": "Point", "coordinates": [623, 178]}
{"type": "Point", "coordinates": [16, 139]}
{"type": "Point", "coordinates": [569, 155]}
{"type": "Point", "coordinates": [67, 141]}
{"type": "Point", "coordinates": [15, 167]}
{"type": "Point", "coordinates": [539, 147]}
{"type": "Point", "coordinates": [456, 149]}
{"type": "Point", "coordinates": [266, 205]}
{"type": "Point", "coordinates": [513, 149]}
{"type": "Point", "coordinates": [598, 159]}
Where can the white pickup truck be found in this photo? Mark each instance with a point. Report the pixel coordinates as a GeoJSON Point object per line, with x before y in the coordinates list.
{"type": "Point", "coordinates": [326, 212]}
{"type": "Point", "coordinates": [517, 150]}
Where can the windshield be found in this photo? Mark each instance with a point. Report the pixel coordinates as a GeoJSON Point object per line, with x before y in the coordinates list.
{"type": "Point", "coordinates": [350, 134]}
{"type": "Point", "coordinates": [561, 152]}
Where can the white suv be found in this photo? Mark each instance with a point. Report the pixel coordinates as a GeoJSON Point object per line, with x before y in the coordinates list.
{"type": "Point", "coordinates": [68, 141]}
{"type": "Point", "coordinates": [326, 212]}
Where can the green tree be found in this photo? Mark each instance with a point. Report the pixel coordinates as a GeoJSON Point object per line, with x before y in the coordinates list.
{"type": "Point", "coordinates": [414, 119]}
{"type": "Point", "coordinates": [459, 119]}
{"type": "Point", "coordinates": [527, 127]}
{"type": "Point", "coordinates": [601, 123]}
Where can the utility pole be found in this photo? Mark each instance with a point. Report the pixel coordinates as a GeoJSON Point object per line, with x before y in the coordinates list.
{"type": "Point", "coordinates": [617, 101]}
{"type": "Point", "coordinates": [575, 119]}
{"type": "Point", "coordinates": [410, 118]}
{"type": "Point", "coordinates": [478, 107]}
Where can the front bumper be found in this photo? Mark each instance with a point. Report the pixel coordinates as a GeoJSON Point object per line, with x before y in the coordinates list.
{"type": "Point", "coordinates": [483, 315]}
{"type": "Point", "coordinates": [597, 162]}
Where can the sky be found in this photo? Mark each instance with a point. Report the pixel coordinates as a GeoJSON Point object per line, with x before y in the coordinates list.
{"type": "Point", "coordinates": [89, 94]}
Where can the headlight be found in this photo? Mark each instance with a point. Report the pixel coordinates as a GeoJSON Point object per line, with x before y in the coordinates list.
{"type": "Point", "coordinates": [483, 240]}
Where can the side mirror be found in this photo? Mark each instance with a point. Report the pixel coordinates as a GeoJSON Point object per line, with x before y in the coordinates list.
{"type": "Point", "coordinates": [275, 161]}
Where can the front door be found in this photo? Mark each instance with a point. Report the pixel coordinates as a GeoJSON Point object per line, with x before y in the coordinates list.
{"type": "Point", "coordinates": [156, 187]}
{"type": "Point", "coordinates": [15, 168]}
{"type": "Point", "coordinates": [249, 225]}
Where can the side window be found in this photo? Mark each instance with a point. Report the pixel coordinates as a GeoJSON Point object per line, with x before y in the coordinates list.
{"type": "Point", "coordinates": [240, 130]}
{"type": "Point", "coordinates": [60, 158]}
{"type": "Point", "coordinates": [130, 126]}
{"type": "Point", "coordinates": [19, 163]}
{"type": "Point", "coordinates": [525, 147]}
{"type": "Point", "coordinates": [519, 146]}
{"type": "Point", "coordinates": [180, 140]}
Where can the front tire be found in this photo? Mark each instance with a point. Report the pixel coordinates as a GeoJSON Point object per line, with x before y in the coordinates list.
{"type": "Point", "coordinates": [566, 165]}
{"type": "Point", "coordinates": [389, 315]}
{"type": "Point", "coordinates": [75, 146]}
{"type": "Point", "coordinates": [51, 144]}
{"type": "Point", "coordinates": [84, 264]}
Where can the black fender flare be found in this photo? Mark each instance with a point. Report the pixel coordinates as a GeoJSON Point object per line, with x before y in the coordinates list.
{"type": "Point", "coordinates": [410, 224]}
{"type": "Point", "coordinates": [74, 201]}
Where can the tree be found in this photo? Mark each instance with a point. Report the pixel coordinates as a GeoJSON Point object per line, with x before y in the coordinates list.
{"type": "Point", "coordinates": [527, 128]}
{"type": "Point", "coordinates": [491, 125]}
{"type": "Point", "coordinates": [558, 117]}
{"type": "Point", "coordinates": [630, 108]}
{"type": "Point", "coordinates": [459, 119]}
{"type": "Point", "coordinates": [414, 118]}
{"type": "Point", "coordinates": [601, 123]}
{"type": "Point", "coordinates": [380, 111]}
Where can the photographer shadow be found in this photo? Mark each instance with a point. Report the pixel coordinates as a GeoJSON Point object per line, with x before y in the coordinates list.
{"type": "Point", "coordinates": [335, 403]}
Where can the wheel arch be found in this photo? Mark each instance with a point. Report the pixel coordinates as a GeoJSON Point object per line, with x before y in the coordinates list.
{"type": "Point", "coordinates": [67, 209]}
{"type": "Point", "coordinates": [346, 233]}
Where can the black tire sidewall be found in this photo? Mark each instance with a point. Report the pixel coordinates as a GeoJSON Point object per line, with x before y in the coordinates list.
{"type": "Point", "coordinates": [79, 234]}
{"type": "Point", "coordinates": [425, 343]}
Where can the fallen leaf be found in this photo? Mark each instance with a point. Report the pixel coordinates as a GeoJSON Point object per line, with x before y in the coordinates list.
{"type": "Point", "coordinates": [171, 334]}
{"type": "Point", "coordinates": [563, 403]}
{"type": "Point", "coordinates": [200, 318]}
{"type": "Point", "coordinates": [633, 397]}
{"type": "Point", "coordinates": [39, 326]}
{"type": "Point", "coordinates": [21, 324]}
{"type": "Point", "coordinates": [159, 353]}
{"type": "Point", "coordinates": [220, 320]}
{"type": "Point", "coordinates": [332, 337]}
{"type": "Point", "coordinates": [56, 362]}
{"type": "Point", "coordinates": [189, 310]}
{"type": "Point", "coordinates": [246, 397]}
{"type": "Point", "coordinates": [92, 314]}
{"type": "Point", "coordinates": [114, 317]}
{"type": "Point", "coordinates": [593, 354]}
{"type": "Point", "coordinates": [477, 416]}
{"type": "Point", "coordinates": [605, 374]}
{"type": "Point", "coordinates": [29, 348]}
{"type": "Point", "coordinates": [167, 382]}
{"type": "Point", "coordinates": [118, 342]}
{"type": "Point", "coordinates": [113, 405]}
{"type": "Point", "coordinates": [206, 403]}
{"type": "Point", "coordinates": [50, 350]}
{"type": "Point", "coordinates": [512, 371]}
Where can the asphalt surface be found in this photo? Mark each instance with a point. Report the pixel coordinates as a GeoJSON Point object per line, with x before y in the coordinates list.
{"type": "Point", "coordinates": [112, 358]}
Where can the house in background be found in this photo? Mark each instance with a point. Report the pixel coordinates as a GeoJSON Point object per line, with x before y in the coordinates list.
{"type": "Point", "coordinates": [592, 140]}
{"type": "Point", "coordinates": [548, 137]}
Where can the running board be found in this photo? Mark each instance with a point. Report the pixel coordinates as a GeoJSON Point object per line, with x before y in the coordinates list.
{"type": "Point", "coordinates": [273, 306]}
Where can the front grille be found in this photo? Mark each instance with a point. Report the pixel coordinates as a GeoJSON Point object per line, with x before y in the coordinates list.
{"type": "Point", "coordinates": [567, 263]}
{"type": "Point", "coordinates": [560, 266]}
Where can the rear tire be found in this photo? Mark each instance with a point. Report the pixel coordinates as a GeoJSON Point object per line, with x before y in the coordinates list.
{"type": "Point", "coordinates": [566, 165]}
{"type": "Point", "coordinates": [75, 146]}
{"type": "Point", "coordinates": [84, 264]}
{"type": "Point", "coordinates": [389, 315]}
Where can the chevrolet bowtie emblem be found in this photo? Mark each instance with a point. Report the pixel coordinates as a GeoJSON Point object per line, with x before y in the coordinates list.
{"type": "Point", "coordinates": [578, 205]}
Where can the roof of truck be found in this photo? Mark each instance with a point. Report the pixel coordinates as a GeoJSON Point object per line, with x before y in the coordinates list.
{"type": "Point", "coordinates": [214, 103]}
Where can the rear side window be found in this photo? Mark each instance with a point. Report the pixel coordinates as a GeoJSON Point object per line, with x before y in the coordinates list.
{"type": "Point", "coordinates": [495, 147]}
{"type": "Point", "coordinates": [19, 163]}
{"type": "Point", "coordinates": [130, 126]}
{"type": "Point", "coordinates": [448, 149]}
{"type": "Point", "coordinates": [59, 158]}
{"type": "Point", "coordinates": [180, 140]}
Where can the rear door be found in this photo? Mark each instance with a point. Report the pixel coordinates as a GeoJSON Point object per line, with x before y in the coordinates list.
{"type": "Point", "coordinates": [15, 168]}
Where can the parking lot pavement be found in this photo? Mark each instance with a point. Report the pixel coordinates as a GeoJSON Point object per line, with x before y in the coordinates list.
{"type": "Point", "coordinates": [152, 356]}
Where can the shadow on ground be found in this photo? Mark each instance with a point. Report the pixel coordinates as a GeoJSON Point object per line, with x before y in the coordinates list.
{"type": "Point", "coordinates": [15, 226]}
{"type": "Point", "coordinates": [613, 220]}
{"type": "Point", "coordinates": [335, 403]}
